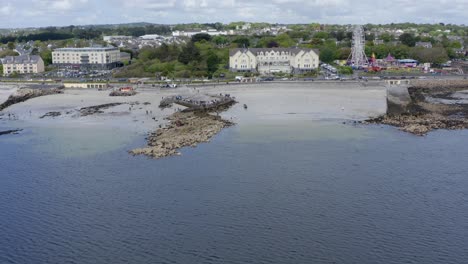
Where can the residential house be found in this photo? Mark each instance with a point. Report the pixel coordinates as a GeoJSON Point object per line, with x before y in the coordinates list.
{"type": "Point", "coordinates": [22, 64]}
{"type": "Point", "coordinates": [378, 42]}
{"type": "Point", "coordinates": [427, 45]}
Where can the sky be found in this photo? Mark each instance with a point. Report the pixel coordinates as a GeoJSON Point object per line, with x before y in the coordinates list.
{"type": "Point", "coordinates": [41, 13]}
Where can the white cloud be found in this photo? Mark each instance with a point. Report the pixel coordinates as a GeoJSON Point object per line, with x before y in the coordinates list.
{"type": "Point", "coordinates": [6, 10]}
{"type": "Point", "coordinates": [65, 12]}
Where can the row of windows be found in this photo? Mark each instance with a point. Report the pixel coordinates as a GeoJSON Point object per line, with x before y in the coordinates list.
{"type": "Point", "coordinates": [17, 65]}
{"type": "Point", "coordinates": [23, 71]}
{"type": "Point", "coordinates": [277, 58]}
{"type": "Point", "coordinates": [14, 68]}
{"type": "Point", "coordinates": [273, 53]}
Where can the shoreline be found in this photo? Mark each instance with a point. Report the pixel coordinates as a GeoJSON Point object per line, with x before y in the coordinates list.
{"type": "Point", "coordinates": [430, 105]}
{"type": "Point", "coordinates": [139, 115]}
{"type": "Point", "coordinates": [186, 129]}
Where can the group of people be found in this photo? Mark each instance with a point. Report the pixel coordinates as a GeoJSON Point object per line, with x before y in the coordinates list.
{"type": "Point", "coordinates": [206, 104]}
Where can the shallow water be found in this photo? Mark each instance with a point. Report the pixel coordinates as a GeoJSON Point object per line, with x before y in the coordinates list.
{"type": "Point", "coordinates": [271, 191]}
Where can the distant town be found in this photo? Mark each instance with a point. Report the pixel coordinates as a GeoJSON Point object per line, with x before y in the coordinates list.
{"type": "Point", "coordinates": [236, 51]}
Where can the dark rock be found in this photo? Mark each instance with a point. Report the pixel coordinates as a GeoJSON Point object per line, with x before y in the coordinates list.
{"type": "Point", "coordinates": [51, 114]}
{"type": "Point", "coordinates": [7, 132]}
{"type": "Point", "coordinates": [97, 109]}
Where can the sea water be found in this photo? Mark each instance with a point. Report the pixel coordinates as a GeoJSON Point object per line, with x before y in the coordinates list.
{"type": "Point", "coordinates": [271, 191]}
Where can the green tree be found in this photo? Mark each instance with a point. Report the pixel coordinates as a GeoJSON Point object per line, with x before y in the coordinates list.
{"type": "Point", "coordinates": [327, 55]}
{"type": "Point", "coordinates": [11, 45]}
{"type": "Point", "coordinates": [272, 44]}
{"type": "Point", "coordinates": [5, 53]}
{"type": "Point", "coordinates": [345, 70]}
{"type": "Point", "coordinates": [35, 51]}
{"type": "Point", "coordinates": [189, 53]}
{"type": "Point", "coordinates": [46, 56]}
{"type": "Point", "coordinates": [321, 35]}
{"type": "Point", "coordinates": [220, 40]}
{"type": "Point", "coordinates": [408, 39]}
{"type": "Point", "coordinates": [200, 37]}
{"type": "Point", "coordinates": [340, 35]}
{"type": "Point", "coordinates": [400, 51]}
{"type": "Point", "coordinates": [242, 42]}
{"type": "Point", "coordinates": [212, 62]}
{"type": "Point", "coordinates": [343, 53]}
{"type": "Point", "coordinates": [433, 55]}
{"type": "Point", "coordinates": [284, 40]}
{"type": "Point", "coordinates": [370, 37]}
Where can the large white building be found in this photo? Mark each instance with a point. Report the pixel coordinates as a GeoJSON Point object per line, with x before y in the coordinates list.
{"type": "Point", "coordinates": [266, 61]}
{"type": "Point", "coordinates": [110, 39]}
{"type": "Point", "coordinates": [91, 57]}
{"type": "Point", "coordinates": [22, 64]}
{"type": "Point", "coordinates": [211, 32]}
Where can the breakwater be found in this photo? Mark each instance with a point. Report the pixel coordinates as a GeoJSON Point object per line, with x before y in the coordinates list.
{"type": "Point", "coordinates": [25, 94]}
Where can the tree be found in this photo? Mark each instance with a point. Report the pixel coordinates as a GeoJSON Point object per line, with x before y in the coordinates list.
{"type": "Point", "coordinates": [386, 37]}
{"type": "Point", "coordinates": [321, 35]}
{"type": "Point", "coordinates": [400, 51]}
{"type": "Point", "coordinates": [343, 53]}
{"type": "Point", "coordinates": [272, 44]}
{"type": "Point", "coordinates": [327, 55]}
{"type": "Point", "coordinates": [432, 55]}
{"type": "Point", "coordinates": [8, 53]}
{"type": "Point", "coordinates": [345, 70]}
{"type": "Point", "coordinates": [242, 42]}
{"type": "Point", "coordinates": [46, 56]}
{"type": "Point", "coordinates": [200, 37]}
{"type": "Point", "coordinates": [189, 53]}
{"type": "Point", "coordinates": [11, 45]}
{"type": "Point", "coordinates": [212, 62]}
{"type": "Point", "coordinates": [284, 40]}
{"type": "Point", "coordinates": [408, 39]}
{"type": "Point", "coordinates": [340, 35]}
{"type": "Point", "coordinates": [370, 37]}
{"type": "Point", "coordinates": [35, 51]}
{"type": "Point", "coordinates": [220, 40]}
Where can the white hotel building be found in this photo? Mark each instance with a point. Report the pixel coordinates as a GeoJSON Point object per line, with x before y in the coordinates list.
{"type": "Point", "coordinates": [102, 58]}
{"type": "Point", "coordinates": [266, 61]}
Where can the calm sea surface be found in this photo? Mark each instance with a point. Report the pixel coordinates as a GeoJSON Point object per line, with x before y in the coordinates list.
{"type": "Point", "coordinates": [265, 192]}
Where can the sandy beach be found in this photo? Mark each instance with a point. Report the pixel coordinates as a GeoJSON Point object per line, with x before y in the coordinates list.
{"type": "Point", "coordinates": [6, 90]}
{"type": "Point", "coordinates": [137, 116]}
{"type": "Point", "coordinates": [311, 101]}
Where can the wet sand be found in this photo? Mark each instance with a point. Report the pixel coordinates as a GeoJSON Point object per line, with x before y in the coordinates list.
{"type": "Point", "coordinates": [138, 116]}
{"type": "Point", "coordinates": [268, 101]}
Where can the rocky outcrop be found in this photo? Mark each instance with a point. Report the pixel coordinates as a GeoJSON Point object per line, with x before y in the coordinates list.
{"type": "Point", "coordinates": [7, 132]}
{"type": "Point", "coordinates": [122, 93]}
{"type": "Point", "coordinates": [25, 94]}
{"type": "Point", "coordinates": [186, 129]}
{"type": "Point", "coordinates": [51, 114]}
{"type": "Point", "coordinates": [96, 109]}
{"type": "Point", "coordinates": [432, 106]}
{"type": "Point", "coordinates": [421, 124]}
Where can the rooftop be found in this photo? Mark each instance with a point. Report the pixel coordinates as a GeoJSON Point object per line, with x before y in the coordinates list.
{"type": "Point", "coordinates": [21, 59]}
{"type": "Point", "coordinates": [88, 49]}
{"type": "Point", "coordinates": [257, 50]}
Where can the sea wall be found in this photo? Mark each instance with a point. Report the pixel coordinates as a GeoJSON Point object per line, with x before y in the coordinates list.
{"type": "Point", "coordinates": [398, 98]}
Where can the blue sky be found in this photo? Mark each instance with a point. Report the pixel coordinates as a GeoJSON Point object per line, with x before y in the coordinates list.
{"type": "Point", "coordinates": [33, 13]}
